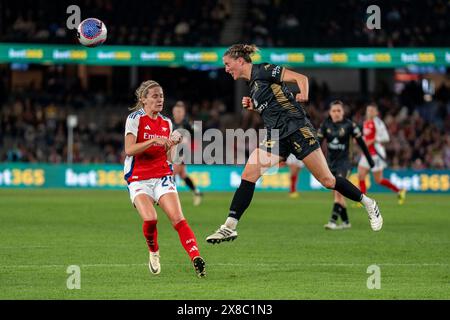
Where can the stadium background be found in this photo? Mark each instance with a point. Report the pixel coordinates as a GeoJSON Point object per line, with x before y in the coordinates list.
{"type": "Point", "coordinates": [181, 46]}
{"type": "Point", "coordinates": [45, 76]}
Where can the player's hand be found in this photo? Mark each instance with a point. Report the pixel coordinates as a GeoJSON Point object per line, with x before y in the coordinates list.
{"type": "Point", "coordinates": [247, 103]}
{"type": "Point", "coordinates": [163, 142]}
{"type": "Point", "coordinates": [176, 137]}
{"type": "Point", "coordinates": [301, 97]}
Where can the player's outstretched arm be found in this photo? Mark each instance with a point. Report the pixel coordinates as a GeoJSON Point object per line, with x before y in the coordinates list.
{"type": "Point", "coordinates": [302, 83]}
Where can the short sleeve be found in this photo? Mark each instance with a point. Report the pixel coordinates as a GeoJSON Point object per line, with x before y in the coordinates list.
{"type": "Point", "coordinates": [356, 131]}
{"type": "Point", "coordinates": [271, 72]}
{"type": "Point", "coordinates": [382, 134]}
{"type": "Point", "coordinates": [170, 126]}
{"type": "Point", "coordinates": [132, 125]}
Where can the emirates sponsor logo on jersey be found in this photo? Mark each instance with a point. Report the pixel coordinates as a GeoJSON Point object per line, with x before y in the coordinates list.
{"type": "Point", "coordinates": [148, 136]}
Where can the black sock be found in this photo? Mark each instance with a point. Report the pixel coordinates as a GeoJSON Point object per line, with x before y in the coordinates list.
{"type": "Point", "coordinates": [343, 214]}
{"type": "Point", "coordinates": [334, 213]}
{"type": "Point", "coordinates": [189, 183]}
{"type": "Point", "coordinates": [347, 189]}
{"type": "Point", "coordinates": [241, 200]}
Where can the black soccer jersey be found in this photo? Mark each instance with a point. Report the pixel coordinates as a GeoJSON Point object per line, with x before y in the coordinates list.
{"type": "Point", "coordinates": [274, 101]}
{"type": "Point", "coordinates": [338, 136]}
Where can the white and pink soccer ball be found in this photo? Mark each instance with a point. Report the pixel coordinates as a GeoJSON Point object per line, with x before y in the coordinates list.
{"type": "Point", "coordinates": [92, 32]}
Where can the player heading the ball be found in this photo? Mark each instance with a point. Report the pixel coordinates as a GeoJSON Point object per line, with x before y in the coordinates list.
{"type": "Point", "coordinates": [280, 110]}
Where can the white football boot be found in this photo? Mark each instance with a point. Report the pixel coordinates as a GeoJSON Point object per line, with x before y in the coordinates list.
{"type": "Point", "coordinates": [332, 226]}
{"type": "Point", "coordinates": [375, 218]}
{"type": "Point", "coordinates": [197, 200]}
{"type": "Point", "coordinates": [346, 225]}
{"type": "Point", "coordinates": [222, 234]}
{"type": "Point", "coordinates": [153, 263]}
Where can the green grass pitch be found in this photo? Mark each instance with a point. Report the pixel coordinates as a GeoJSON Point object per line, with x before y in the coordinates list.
{"type": "Point", "coordinates": [282, 251]}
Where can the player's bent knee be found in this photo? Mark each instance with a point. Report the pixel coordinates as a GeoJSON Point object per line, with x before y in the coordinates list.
{"type": "Point", "coordinates": [250, 176]}
{"type": "Point", "coordinates": [182, 172]}
{"type": "Point", "coordinates": [176, 220]}
{"type": "Point", "coordinates": [328, 182]}
{"type": "Point", "coordinates": [147, 216]}
{"type": "Point", "coordinates": [361, 174]}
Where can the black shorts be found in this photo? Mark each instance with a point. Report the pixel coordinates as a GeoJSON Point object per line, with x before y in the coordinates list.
{"type": "Point", "coordinates": [300, 143]}
{"type": "Point", "coordinates": [340, 171]}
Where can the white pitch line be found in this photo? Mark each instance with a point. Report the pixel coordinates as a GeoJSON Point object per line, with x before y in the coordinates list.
{"type": "Point", "coordinates": [124, 265]}
{"type": "Point", "coordinates": [25, 247]}
{"type": "Point", "coordinates": [332, 264]}
{"type": "Point", "coordinates": [131, 246]}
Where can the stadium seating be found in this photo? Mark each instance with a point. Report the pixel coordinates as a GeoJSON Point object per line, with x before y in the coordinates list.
{"type": "Point", "coordinates": [264, 22]}
{"type": "Point", "coordinates": [342, 23]}
{"type": "Point", "coordinates": [170, 23]}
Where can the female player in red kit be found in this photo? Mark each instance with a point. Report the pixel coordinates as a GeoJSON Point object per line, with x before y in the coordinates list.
{"type": "Point", "coordinates": [375, 134]}
{"type": "Point", "coordinates": [148, 140]}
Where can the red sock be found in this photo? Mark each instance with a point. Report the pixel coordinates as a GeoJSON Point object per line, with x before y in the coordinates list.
{"type": "Point", "coordinates": [187, 239]}
{"type": "Point", "coordinates": [362, 186]}
{"type": "Point", "coordinates": [388, 184]}
{"type": "Point", "coordinates": [294, 182]}
{"type": "Point", "coordinates": [151, 234]}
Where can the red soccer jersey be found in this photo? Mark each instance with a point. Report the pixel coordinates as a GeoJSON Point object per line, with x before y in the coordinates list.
{"type": "Point", "coordinates": [370, 132]}
{"type": "Point", "coordinates": [152, 163]}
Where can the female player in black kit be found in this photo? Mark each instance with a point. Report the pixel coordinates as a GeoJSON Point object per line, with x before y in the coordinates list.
{"type": "Point", "coordinates": [338, 132]}
{"type": "Point", "coordinates": [280, 110]}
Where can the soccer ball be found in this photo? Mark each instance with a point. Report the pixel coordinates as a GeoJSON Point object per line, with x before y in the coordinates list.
{"type": "Point", "coordinates": [91, 32]}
